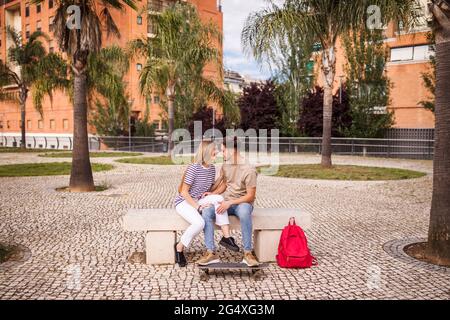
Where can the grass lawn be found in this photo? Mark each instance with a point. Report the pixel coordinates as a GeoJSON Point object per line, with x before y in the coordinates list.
{"type": "Point", "coordinates": [44, 169]}
{"type": "Point", "coordinates": [164, 160]}
{"type": "Point", "coordinates": [350, 173]}
{"type": "Point", "coordinates": [14, 150]}
{"type": "Point", "coordinates": [92, 154]}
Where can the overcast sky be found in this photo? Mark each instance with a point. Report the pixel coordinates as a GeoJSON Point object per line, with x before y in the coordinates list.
{"type": "Point", "coordinates": [235, 13]}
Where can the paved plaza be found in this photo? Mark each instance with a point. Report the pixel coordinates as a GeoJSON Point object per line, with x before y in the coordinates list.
{"type": "Point", "coordinates": [78, 250]}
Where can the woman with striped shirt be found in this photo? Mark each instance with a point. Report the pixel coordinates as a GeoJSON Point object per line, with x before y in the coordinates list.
{"type": "Point", "coordinates": [197, 180]}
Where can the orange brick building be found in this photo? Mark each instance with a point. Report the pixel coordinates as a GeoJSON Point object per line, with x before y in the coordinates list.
{"type": "Point", "coordinates": [409, 58]}
{"type": "Point", "coordinates": [58, 117]}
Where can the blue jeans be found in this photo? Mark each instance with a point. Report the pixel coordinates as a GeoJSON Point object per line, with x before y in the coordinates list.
{"type": "Point", "coordinates": [243, 211]}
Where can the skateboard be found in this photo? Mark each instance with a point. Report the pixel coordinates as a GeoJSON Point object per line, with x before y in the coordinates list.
{"type": "Point", "coordinates": [255, 271]}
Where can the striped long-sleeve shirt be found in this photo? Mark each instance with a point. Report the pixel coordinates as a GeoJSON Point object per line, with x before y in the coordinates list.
{"type": "Point", "coordinates": [200, 179]}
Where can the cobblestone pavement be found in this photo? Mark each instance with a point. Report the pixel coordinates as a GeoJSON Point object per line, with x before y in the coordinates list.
{"type": "Point", "coordinates": [79, 250]}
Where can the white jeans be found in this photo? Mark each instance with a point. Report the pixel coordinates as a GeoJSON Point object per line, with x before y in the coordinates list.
{"type": "Point", "coordinates": [215, 200]}
{"type": "Point", "coordinates": [191, 215]}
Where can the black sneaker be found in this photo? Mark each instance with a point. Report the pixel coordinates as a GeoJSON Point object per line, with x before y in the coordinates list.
{"type": "Point", "coordinates": [229, 244]}
{"type": "Point", "coordinates": [179, 257]}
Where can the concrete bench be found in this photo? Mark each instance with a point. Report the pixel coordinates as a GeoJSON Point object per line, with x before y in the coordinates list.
{"type": "Point", "coordinates": [161, 226]}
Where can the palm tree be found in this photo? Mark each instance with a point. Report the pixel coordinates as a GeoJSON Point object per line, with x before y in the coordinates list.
{"type": "Point", "coordinates": [107, 91]}
{"type": "Point", "coordinates": [29, 67]}
{"type": "Point", "coordinates": [324, 21]}
{"type": "Point", "coordinates": [438, 248]}
{"type": "Point", "coordinates": [176, 56]}
{"type": "Point", "coordinates": [79, 42]}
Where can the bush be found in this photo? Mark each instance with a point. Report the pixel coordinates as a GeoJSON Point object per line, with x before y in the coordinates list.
{"type": "Point", "coordinates": [258, 106]}
{"type": "Point", "coordinates": [311, 114]}
{"type": "Point", "coordinates": [205, 115]}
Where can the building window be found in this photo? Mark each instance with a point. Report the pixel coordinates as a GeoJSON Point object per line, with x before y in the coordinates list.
{"type": "Point", "coordinates": [414, 53]}
{"type": "Point", "coordinates": [40, 124]}
{"type": "Point", "coordinates": [50, 4]}
{"type": "Point", "coordinates": [39, 25]}
{"type": "Point", "coordinates": [27, 10]}
{"type": "Point", "coordinates": [52, 124]}
{"type": "Point", "coordinates": [65, 124]}
{"type": "Point", "coordinates": [1, 124]}
{"type": "Point", "coordinates": [28, 124]}
{"type": "Point", "coordinates": [51, 46]}
{"type": "Point", "coordinates": [139, 20]}
{"type": "Point", "coordinates": [27, 31]}
{"type": "Point", "coordinates": [156, 99]}
{"type": "Point", "coordinates": [139, 66]}
{"type": "Point", "coordinates": [38, 8]}
{"type": "Point", "coordinates": [51, 20]}
{"type": "Point", "coordinates": [8, 125]}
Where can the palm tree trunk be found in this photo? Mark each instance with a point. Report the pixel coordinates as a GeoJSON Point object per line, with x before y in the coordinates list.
{"type": "Point", "coordinates": [328, 70]}
{"type": "Point", "coordinates": [439, 230]}
{"type": "Point", "coordinates": [81, 179]}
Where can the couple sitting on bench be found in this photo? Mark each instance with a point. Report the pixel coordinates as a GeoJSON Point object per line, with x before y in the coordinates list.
{"type": "Point", "coordinates": [204, 202]}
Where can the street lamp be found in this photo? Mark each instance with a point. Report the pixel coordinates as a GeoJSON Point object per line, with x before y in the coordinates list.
{"type": "Point", "coordinates": [130, 107]}
{"type": "Point", "coordinates": [1, 125]}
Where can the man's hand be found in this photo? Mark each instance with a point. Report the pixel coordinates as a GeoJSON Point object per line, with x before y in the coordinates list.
{"type": "Point", "coordinates": [224, 206]}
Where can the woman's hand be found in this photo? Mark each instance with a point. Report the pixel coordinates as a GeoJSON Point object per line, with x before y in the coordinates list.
{"type": "Point", "coordinates": [206, 194]}
{"type": "Point", "coordinates": [204, 206]}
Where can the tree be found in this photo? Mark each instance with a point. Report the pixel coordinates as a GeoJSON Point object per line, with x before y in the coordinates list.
{"type": "Point", "coordinates": [175, 59]}
{"type": "Point", "coordinates": [289, 60]}
{"type": "Point", "coordinates": [205, 115]}
{"type": "Point", "coordinates": [367, 84]}
{"type": "Point", "coordinates": [107, 89]}
{"type": "Point", "coordinates": [143, 127]}
{"type": "Point", "coordinates": [231, 111]}
{"type": "Point", "coordinates": [30, 68]}
{"type": "Point", "coordinates": [258, 105]}
{"type": "Point", "coordinates": [438, 248]}
{"type": "Point", "coordinates": [310, 122]}
{"type": "Point", "coordinates": [429, 78]}
{"type": "Point", "coordinates": [324, 21]}
{"type": "Point", "coordinates": [79, 41]}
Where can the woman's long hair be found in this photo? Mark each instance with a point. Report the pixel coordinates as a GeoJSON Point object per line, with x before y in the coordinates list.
{"type": "Point", "coordinates": [202, 157]}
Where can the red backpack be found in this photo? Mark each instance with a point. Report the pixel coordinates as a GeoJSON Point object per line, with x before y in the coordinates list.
{"type": "Point", "coordinates": [293, 251]}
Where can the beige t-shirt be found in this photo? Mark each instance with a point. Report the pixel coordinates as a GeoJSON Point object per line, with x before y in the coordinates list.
{"type": "Point", "coordinates": [238, 178]}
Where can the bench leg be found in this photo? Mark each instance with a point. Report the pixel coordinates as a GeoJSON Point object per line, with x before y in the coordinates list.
{"type": "Point", "coordinates": [159, 247]}
{"type": "Point", "coordinates": [266, 244]}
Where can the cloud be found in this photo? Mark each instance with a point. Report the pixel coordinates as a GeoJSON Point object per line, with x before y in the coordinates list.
{"type": "Point", "coordinates": [235, 12]}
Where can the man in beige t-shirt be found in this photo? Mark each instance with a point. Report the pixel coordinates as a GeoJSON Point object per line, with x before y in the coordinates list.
{"type": "Point", "coordinates": [238, 186]}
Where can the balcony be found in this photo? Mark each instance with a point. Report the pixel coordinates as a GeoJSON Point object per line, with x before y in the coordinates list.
{"type": "Point", "coordinates": [158, 6]}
